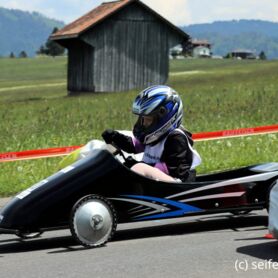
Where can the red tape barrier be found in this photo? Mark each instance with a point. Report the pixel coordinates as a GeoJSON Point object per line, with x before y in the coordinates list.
{"type": "Point", "coordinates": [213, 135]}
{"type": "Point", "coordinates": [222, 134]}
{"type": "Point", "coordinates": [33, 154]}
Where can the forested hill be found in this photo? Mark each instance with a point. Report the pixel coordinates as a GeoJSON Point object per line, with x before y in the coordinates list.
{"type": "Point", "coordinates": [226, 36]}
{"type": "Point", "coordinates": [24, 31]}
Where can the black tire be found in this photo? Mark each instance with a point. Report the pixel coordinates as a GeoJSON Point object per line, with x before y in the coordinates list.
{"type": "Point", "coordinates": [93, 221]}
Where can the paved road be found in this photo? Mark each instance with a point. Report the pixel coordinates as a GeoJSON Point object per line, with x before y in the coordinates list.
{"type": "Point", "coordinates": [206, 246]}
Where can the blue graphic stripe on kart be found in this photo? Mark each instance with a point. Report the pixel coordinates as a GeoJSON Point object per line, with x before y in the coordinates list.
{"type": "Point", "coordinates": [181, 208]}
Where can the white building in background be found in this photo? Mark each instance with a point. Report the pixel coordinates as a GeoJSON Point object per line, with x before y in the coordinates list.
{"type": "Point", "coordinates": [200, 48]}
{"type": "Point", "coordinates": [201, 51]}
{"type": "Point", "coordinates": [195, 48]}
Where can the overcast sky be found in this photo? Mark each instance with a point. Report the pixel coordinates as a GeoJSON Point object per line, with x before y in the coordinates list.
{"type": "Point", "coordinates": [179, 12]}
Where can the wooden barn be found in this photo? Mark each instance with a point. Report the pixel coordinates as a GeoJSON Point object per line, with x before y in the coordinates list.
{"type": "Point", "coordinates": [118, 46]}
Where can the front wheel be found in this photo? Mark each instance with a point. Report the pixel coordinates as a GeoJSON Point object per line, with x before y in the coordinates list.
{"type": "Point", "coordinates": [93, 221]}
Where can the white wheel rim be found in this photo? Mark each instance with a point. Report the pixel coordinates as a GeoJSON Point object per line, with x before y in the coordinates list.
{"type": "Point", "coordinates": [93, 222]}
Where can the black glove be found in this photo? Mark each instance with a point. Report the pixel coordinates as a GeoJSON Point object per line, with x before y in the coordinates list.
{"type": "Point", "coordinates": [108, 135]}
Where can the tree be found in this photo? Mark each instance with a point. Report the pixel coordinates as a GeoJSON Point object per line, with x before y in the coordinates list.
{"type": "Point", "coordinates": [262, 56]}
{"type": "Point", "coordinates": [12, 55]}
{"type": "Point", "coordinates": [228, 56]}
{"type": "Point", "coordinates": [22, 54]}
{"type": "Point", "coordinates": [41, 50]}
{"type": "Point", "coordinates": [52, 48]}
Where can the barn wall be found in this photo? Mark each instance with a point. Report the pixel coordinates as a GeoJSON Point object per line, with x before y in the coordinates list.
{"type": "Point", "coordinates": [80, 67]}
{"type": "Point", "coordinates": [131, 50]}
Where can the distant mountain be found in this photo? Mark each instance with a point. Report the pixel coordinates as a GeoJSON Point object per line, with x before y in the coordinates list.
{"type": "Point", "coordinates": [226, 36]}
{"type": "Point", "coordinates": [24, 31]}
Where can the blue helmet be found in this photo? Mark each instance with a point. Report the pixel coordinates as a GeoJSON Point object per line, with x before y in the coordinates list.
{"type": "Point", "coordinates": [164, 105]}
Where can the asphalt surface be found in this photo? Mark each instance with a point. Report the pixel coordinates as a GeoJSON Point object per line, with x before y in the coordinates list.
{"type": "Point", "coordinates": [203, 246]}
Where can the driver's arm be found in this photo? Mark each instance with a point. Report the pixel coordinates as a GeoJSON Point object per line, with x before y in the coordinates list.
{"type": "Point", "coordinates": [177, 156]}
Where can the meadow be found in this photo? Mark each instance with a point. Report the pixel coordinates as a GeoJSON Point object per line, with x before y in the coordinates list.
{"type": "Point", "coordinates": [35, 112]}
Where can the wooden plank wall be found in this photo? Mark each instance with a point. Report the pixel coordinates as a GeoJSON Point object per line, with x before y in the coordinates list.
{"type": "Point", "coordinates": [131, 51]}
{"type": "Point", "coordinates": [80, 67]}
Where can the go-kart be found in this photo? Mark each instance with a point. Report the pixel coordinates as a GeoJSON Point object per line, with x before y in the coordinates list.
{"type": "Point", "coordinates": [98, 191]}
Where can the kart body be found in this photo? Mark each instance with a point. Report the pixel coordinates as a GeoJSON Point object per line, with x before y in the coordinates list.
{"type": "Point", "coordinates": [95, 193]}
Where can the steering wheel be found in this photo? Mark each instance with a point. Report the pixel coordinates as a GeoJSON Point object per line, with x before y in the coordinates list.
{"type": "Point", "coordinates": [120, 152]}
{"type": "Point", "coordinates": [115, 150]}
{"type": "Point", "coordinates": [129, 161]}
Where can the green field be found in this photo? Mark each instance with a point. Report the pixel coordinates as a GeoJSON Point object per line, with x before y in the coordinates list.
{"type": "Point", "coordinates": [35, 112]}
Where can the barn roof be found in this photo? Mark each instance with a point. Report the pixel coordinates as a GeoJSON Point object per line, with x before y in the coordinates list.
{"type": "Point", "coordinates": [99, 14]}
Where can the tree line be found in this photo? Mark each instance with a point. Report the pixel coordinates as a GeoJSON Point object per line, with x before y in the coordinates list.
{"type": "Point", "coordinates": [50, 48]}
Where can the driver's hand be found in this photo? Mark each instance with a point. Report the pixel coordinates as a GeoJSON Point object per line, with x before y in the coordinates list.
{"type": "Point", "coordinates": [108, 135]}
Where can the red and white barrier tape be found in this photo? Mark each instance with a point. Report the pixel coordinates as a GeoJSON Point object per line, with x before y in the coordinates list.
{"type": "Point", "coordinates": [222, 134]}
{"type": "Point", "coordinates": [33, 154]}
{"type": "Point", "coordinates": [213, 135]}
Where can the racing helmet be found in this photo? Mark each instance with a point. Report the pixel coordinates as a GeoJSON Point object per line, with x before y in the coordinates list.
{"type": "Point", "coordinates": [163, 105]}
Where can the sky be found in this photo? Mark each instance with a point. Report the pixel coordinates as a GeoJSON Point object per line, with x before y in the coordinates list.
{"type": "Point", "coordinates": [179, 12]}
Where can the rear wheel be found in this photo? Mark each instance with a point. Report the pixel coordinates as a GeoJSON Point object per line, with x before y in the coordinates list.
{"type": "Point", "coordinates": [93, 221]}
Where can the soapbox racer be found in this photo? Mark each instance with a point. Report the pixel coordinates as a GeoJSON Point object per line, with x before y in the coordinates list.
{"type": "Point", "coordinates": [95, 193]}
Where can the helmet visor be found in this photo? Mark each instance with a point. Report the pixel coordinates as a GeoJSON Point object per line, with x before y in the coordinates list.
{"type": "Point", "coordinates": [143, 126]}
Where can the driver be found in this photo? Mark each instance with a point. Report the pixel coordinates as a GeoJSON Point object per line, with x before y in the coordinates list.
{"type": "Point", "coordinates": [167, 145]}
